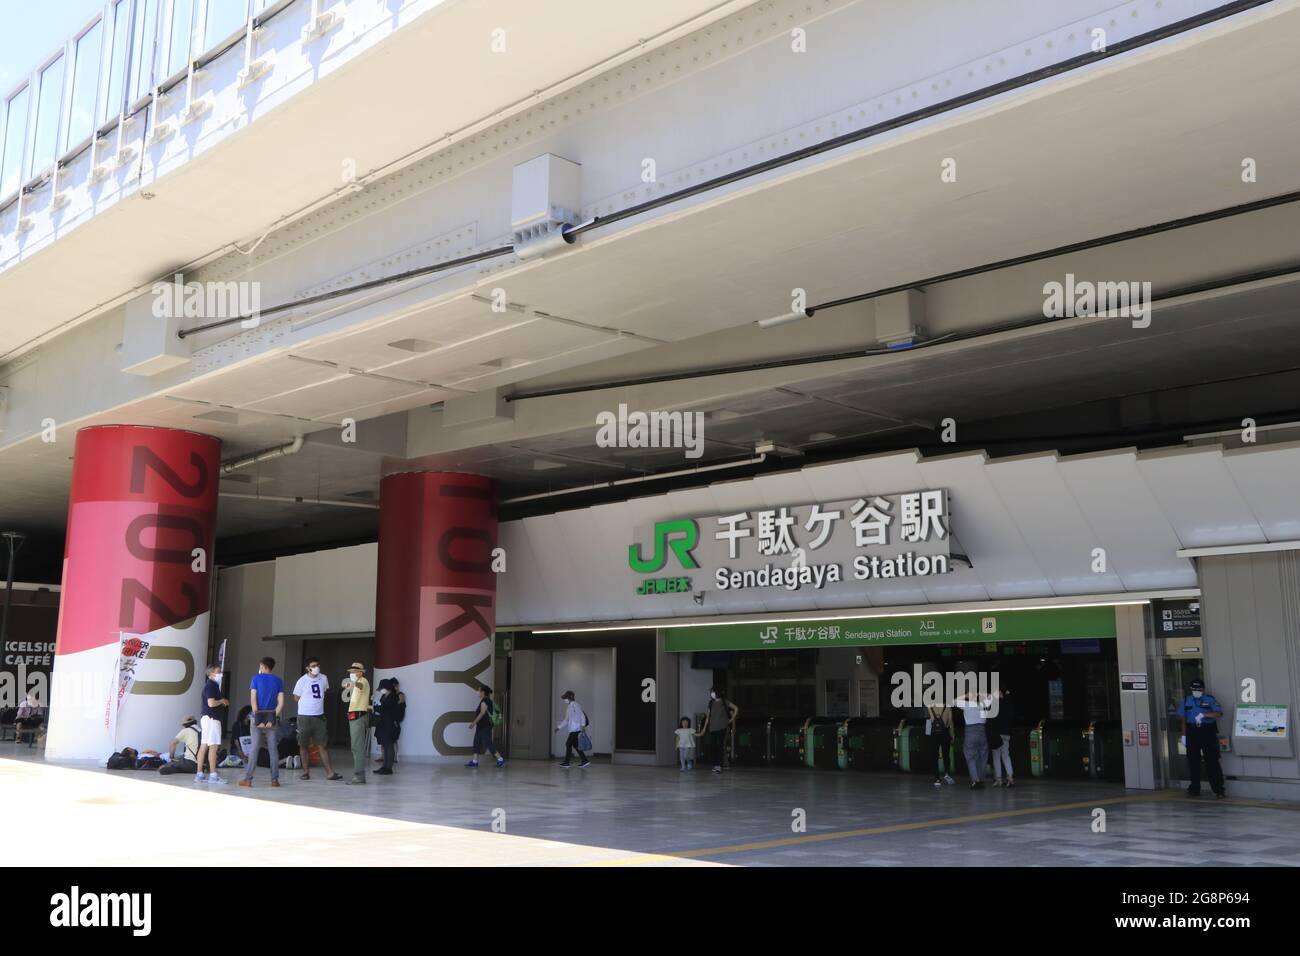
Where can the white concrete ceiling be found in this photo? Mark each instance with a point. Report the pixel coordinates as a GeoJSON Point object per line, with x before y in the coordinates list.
{"type": "Point", "coordinates": [1147, 138]}
{"type": "Point", "coordinates": [369, 96]}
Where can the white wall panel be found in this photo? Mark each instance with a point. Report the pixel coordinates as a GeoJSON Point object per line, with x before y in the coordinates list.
{"type": "Point", "coordinates": [1051, 522]}
{"type": "Point", "coordinates": [529, 593]}
{"type": "Point", "coordinates": [326, 592]}
{"type": "Point", "coordinates": [992, 541]}
{"type": "Point", "coordinates": [1128, 522]}
{"type": "Point", "coordinates": [1269, 478]}
{"type": "Point", "coordinates": [1198, 496]}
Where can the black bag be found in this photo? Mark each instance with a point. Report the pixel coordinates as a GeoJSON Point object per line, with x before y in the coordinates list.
{"type": "Point", "coordinates": [180, 765]}
{"type": "Point", "coordinates": [938, 729]}
{"type": "Point", "coordinates": [992, 735]}
{"type": "Point", "coordinates": [124, 759]}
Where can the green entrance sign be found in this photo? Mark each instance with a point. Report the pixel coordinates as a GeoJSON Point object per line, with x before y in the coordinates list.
{"type": "Point", "coordinates": [1046, 624]}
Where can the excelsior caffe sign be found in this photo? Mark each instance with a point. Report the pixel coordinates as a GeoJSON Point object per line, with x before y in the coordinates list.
{"type": "Point", "coordinates": [796, 547]}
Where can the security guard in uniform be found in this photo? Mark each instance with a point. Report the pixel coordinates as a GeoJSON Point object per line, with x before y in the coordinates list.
{"type": "Point", "coordinates": [1200, 712]}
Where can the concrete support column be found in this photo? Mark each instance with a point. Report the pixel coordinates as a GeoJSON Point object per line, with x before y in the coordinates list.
{"type": "Point", "coordinates": [137, 559]}
{"type": "Point", "coordinates": [1137, 719]}
{"type": "Point", "coordinates": [435, 610]}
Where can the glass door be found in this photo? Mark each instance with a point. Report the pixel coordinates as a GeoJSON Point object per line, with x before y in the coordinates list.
{"type": "Point", "coordinates": [1177, 674]}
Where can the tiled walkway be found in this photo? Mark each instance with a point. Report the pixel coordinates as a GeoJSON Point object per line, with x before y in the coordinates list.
{"type": "Point", "coordinates": [627, 816]}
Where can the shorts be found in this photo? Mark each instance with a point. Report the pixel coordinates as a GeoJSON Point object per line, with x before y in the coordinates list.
{"type": "Point", "coordinates": [209, 731]}
{"type": "Point", "coordinates": [311, 729]}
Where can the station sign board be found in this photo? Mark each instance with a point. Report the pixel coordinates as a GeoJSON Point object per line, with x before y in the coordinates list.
{"type": "Point", "coordinates": [1039, 624]}
{"type": "Point", "coordinates": [798, 547]}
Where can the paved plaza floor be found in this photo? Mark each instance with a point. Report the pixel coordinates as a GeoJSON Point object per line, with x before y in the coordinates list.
{"type": "Point", "coordinates": [534, 813]}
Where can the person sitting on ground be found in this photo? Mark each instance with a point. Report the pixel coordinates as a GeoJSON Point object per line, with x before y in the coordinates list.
{"type": "Point", "coordinates": [30, 717]}
{"type": "Point", "coordinates": [286, 738]}
{"type": "Point", "coordinates": [188, 740]}
{"type": "Point", "coordinates": [238, 731]}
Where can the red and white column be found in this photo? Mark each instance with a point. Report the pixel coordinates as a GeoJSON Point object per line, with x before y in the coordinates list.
{"type": "Point", "coordinates": [435, 611]}
{"type": "Point", "coordinates": [137, 561]}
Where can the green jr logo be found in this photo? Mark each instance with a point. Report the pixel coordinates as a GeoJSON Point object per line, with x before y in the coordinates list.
{"type": "Point", "coordinates": [688, 533]}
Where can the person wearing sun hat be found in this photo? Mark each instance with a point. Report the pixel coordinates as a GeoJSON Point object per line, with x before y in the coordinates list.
{"type": "Point", "coordinates": [356, 691]}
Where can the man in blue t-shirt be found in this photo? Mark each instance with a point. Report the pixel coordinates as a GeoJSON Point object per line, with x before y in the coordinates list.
{"type": "Point", "coordinates": [212, 725]}
{"type": "Point", "coordinates": [266, 694]}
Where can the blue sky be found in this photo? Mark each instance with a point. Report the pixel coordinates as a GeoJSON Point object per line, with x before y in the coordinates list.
{"type": "Point", "coordinates": [30, 30]}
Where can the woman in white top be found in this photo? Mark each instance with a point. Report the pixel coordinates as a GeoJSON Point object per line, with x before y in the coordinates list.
{"type": "Point", "coordinates": [575, 722]}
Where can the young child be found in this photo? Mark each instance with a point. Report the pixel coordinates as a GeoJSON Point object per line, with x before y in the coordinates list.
{"type": "Point", "coordinates": [686, 744]}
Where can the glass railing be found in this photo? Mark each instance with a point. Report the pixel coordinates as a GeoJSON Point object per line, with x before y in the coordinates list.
{"type": "Point", "coordinates": [104, 72]}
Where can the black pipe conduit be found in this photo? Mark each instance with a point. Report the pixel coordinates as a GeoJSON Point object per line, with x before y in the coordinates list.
{"type": "Point", "coordinates": [786, 159]}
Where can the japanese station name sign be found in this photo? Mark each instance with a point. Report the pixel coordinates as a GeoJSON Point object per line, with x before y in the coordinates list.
{"type": "Point", "coordinates": [796, 547]}
{"type": "Point", "coordinates": [1038, 624]}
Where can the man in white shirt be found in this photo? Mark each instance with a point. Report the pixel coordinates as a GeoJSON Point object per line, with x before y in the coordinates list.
{"type": "Point", "coordinates": [309, 693]}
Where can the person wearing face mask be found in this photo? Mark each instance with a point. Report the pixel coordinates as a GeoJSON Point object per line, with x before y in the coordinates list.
{"type": "Point", "coordinates": [485, 718]}
{"type": "Point", "coordinates": [357, 694]}
{"type": "Point", "coordinates": [212, 722]}
{"type": "Point", "coordinates": [574, 722]}
{"type": "Point", "coordinates": [309, 693]}
{"type": "Point", "coordinates": [1200, 715]}
{"type": "Point", "coordinates": [390, 708]}
{"type": "Point", "coordinates": [718, 718]}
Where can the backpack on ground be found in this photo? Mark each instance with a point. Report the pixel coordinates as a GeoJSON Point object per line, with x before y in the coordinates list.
{"type": "Point", "coordinates": [123, 759]}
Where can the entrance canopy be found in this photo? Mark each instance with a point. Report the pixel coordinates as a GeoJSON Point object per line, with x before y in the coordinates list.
{"type": "Point", "coordinates": [1038, 526]}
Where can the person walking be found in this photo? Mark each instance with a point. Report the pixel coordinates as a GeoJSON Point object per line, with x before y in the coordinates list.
{"type": "Point", "coordinates": [575, 723]}
{"type": "Point", "coordinates": [720, 716]}
{"type": "Point", "coordinates": [212, 722]}
{"type": "Point", "coordinates": [1000, 739]}
{"type": "Point", "coordinates": [975, 744]}
{"type": "Point", "coordinates": [309, 693]}
{"type": "Point", "coordinates": [266, 695]}
{"type": "Point", "coordinates": [939, 730]}
{"type": "Point", "coordinates": [357, 693]}
{"type": "Point", "coordinates": [485, 720]}
{"type": "Point", "coordinates": [390, 708]}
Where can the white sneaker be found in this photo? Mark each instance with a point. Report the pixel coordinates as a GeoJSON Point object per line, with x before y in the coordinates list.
{"type": "Point", "coordinates": [216, 779]}
{"type": "Point", "coordinates": [948, 779]}
{"type": "Point", "coordinates": [200, 777]}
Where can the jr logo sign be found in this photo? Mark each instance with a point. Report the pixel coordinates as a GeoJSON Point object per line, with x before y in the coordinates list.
{"type": "Point", "coordinates": [681, 536]}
